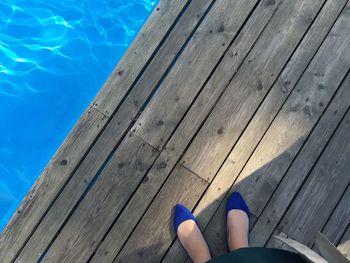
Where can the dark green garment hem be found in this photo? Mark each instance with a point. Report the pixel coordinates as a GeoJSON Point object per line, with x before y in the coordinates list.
{"type": "Point", "coordinates": [259, 255]}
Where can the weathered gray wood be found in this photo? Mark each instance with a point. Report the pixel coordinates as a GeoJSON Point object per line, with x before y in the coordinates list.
{"type": "Point", "coordinates": [344, 245]}
{"type": "Point", "coordinates": [300, 168]}
{"type": "Point", "coordinates": [261, 121]}
{"type": "Point", "coordinates": [115, 130]}
{"type": "Point", "coordinates": [137, 55]}
{"type": "Point", "coordinates": [192, 69]}
{"type": "Point", "coordinates": [295, 121]}
{"type": "Point", "coordinates": [97, 211]}
{"type": "Point", "coordinates": [183, 134]}
{"type": "Point", "coordinates": [48, 185]}
{"type": "Point", "coordinates": [155, 232]}
{"type": "Point", "coordinates": [323, 188]}
{"type": "Point", "coordinates": [340, 218]}
{"type": "Point", "coordinates": [248, 88]}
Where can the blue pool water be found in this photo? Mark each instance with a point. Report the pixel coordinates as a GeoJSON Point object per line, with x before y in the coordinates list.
{"type": "Point", "coordinates": [54, 57]}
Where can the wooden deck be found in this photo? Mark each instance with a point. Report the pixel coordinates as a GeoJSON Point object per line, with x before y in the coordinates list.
{"type": "Point", "coordinates": [213, 96]}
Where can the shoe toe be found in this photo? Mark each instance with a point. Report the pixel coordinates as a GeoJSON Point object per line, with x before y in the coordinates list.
{"type": "Point", "coordinates": [181, 214]}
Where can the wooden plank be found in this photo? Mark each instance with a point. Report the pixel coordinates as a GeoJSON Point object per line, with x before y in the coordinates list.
{"type": "Point", "coordinates": [194, 66]}
{"type": "Point", "coordinates": [115, 130]}
{"type": "Point", "coordinates": [138, 54]}
{"type": "Point", "coordinates": [249, 87]}
{"type": "Point", "coordinates": [344, 244]}
{"type": "Point", "coordinates": [183, 134]}
{"type": "Point", "coordinates": [97, 211]}
{"type": "Point", "coordinates": [154, 234]}
{"type": "Point", "coordinates": [339, 220]}
{"type": "Point", "coordinates": [300, 168]}
{"type": "Point", "coordinates": [258, 125]}
{"type": "Point", "coordinates": [322, 190]}
{"type": "Point", "coordinates": [48, 185]}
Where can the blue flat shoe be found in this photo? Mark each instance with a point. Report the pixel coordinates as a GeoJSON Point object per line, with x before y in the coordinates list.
{"type": "Point", "coordinates": [235, 201]}
{"type": "Point", "coordinates": [182, 214]}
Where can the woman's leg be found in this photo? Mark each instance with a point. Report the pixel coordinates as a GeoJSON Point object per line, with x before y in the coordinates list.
{"type": "Point", "coordinates": [238, 228]}
{"type": "Point", "coordinates": [193, 241]}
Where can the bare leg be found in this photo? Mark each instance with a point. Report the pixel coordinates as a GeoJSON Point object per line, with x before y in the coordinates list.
{"type": "Point", "coordinates": [238, 227]}
{"type": "Point", "coordinates": [193, 241]}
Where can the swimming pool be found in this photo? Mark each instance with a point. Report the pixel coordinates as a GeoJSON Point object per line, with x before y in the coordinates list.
{"type": "Point", "coordinates": [54, 57]}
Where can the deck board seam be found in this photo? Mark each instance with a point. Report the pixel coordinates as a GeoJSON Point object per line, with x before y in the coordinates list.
{"type": "Point", "coordinates": [106, 116]}
{"type": "Point", "coordinates": [186, 168]}
{"type": "Point", "coordinates": [143, 140]}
